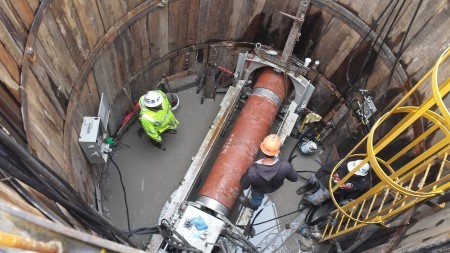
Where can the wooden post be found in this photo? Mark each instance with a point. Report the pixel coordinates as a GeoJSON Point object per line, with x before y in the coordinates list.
{"type": "Point", "coordinates": [294, 34]}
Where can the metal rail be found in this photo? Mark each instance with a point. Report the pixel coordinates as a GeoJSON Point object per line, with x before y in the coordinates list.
{"type": "Point", "coordinates": [403, 178]}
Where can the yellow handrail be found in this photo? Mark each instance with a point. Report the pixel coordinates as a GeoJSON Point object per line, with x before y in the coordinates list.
{"type": "Point", "coordinates": [405, 178]}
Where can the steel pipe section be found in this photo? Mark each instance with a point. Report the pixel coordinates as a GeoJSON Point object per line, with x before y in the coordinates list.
{"type": "Point", "coordinates": [221, 187]}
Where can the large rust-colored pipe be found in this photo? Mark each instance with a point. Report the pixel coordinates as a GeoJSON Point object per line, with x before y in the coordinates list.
{"type": "Point", "coordinates": [222, 187]}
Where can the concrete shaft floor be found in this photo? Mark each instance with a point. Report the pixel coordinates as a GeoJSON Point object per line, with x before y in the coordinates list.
{"type": "Point", "coordinates": [150, 175]}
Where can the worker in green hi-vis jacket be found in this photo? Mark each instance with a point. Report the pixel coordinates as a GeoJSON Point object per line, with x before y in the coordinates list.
{"type": "Point", "coordinates": [156, 117]}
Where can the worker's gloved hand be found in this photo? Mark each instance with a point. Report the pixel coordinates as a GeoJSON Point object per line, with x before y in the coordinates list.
{"type": "Point", "coordinates": [140, 132]}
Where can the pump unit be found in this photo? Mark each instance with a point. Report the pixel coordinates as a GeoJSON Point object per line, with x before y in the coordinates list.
{"type": "Point", "coordinates": [94, 133]}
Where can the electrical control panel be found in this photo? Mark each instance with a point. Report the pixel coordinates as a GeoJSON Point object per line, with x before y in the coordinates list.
{"type": "Point", "coordinates": [92, 140]}
{"type": "Point", "coordinates": [199, 229]}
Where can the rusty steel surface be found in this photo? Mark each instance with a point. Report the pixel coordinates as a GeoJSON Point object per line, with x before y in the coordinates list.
{"type": "Point", "coordinates": [18, 222]}
{"type": "Point", "coordinates": [19, 242]}
{"type": "Point", "coordinates": [242, 144]}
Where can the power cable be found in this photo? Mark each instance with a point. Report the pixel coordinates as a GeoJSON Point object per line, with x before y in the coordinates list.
{"type": "Point", "coordinates": [143, 231]}
{"type": "Point", "coordinates": [400, 52]}
{"type": "Point", "coordinates": [19, 163]}
{"type": "Point", "coordinates": [124, 191]}
{"type": "Point", "coordinates": [384, 41]}
{"type": "Point", "coordinates": [291, 157]}
{"type": "Point", "coordinates": [370, 57]}
{"type": "Point", "coordinates": [177, 243]}
{"type": "Point", "coordinates": [279, 217]}
{"type": "Point", "coordinates": [32, 200]}
{"type": "Point", "coordinates": [82, 213]}
{"type": "Point", "coordinates": [350, 83]}
{"type": "Point", "coordinates": [267, 229]}
{"type": "Point", "coordinates": [237, 234]}
{"type": "Point", "coordinates": [310, 214]}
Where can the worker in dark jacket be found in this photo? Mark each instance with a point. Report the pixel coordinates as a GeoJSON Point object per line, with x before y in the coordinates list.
{"type": "Point", "coordinates": [353, 188]}
{"type": "Point", "coordinates": [266, 175]}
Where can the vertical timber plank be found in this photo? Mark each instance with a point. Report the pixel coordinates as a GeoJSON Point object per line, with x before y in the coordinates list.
{"type": "Point", "coordinates": [93, 90]}
{"type": "Point", "coordinates": [10, 45]}
{"type": "Point", "coordinates": [24, 10]}
{"type": "Point", "coordinates": [348, 43]}
{"type": "Point", "coordinates": [155, 34]}
{"type": "Point", "coordinates": [234, 19]}
{"type": "Point", "coordinates": [136, 63]}
{"type": "Point", "coordinates": [34, 4]}
{"type": "Point", "coordinates": [111, 12]}
{"type": "Point", "coordinates": [222, 24]}
{"type": "Point", "coordinates": [245, 12]}
{"type": "Point", "coordinates": [90, 20]}
{"type": "Point", "coordinates": [333, 38]}
{"type": "Point", "coordinates": [183, 23]}
{"type": "Point", "coordinates": [127, 45]}
{"type": "Point", "coordinates": [69, 24]}
{"type": "Point", "coordinates": [103, 77]}
{"type": "Point", "coordinates": [10, 109]}
{"type": "Point", "coordinates": [213, 20]}
{"type": "Point", "coordinates": [194, 6]}
{"type": "Point", "coordinates": [46, 74]}
{"type": "Point", "coordinates": [164, 29]}
{"type": "Point", "coordinates": [45, 120]}
{"type": "Point", "coordinates": [13, 24]}
{"type": "Point", "coordinates": [173, 19]}
{"type": "Point", "coordinates": [202, 27]}
{"type": "Point", "coordinates": [11, 66]}
{"type": "Point", "coordinates": [56, 49]}
{"type": "Point", "coordinates": [145, 53]}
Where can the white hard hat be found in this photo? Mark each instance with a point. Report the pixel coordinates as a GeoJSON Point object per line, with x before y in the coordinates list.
{"type": "Point", "coordinates": [153, 99]}
{"type": "Point", "coordinates": [362, 171]}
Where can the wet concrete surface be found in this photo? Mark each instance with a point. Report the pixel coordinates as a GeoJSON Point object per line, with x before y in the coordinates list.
{"type": "Point", "coordinates": [150, 175]}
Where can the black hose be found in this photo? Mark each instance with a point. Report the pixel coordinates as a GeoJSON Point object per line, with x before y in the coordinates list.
{"type": "Point", "coordinates": [32, 200]}
{"type": "Point", "coordinates": [279, 217]}
{"type": "Point", "coordinates": [85, 217]}
{"type": "Point", "coordinates": [24, 155]}
{"type": "Point", "coordinates": [124, 191]}
{"type": "Point", "coordinates": [143, 231]}
{"type": "Point", "coordinates": [310, 214]}
{"type": "Point", "coordinates": [400, 52]}
{"type": "Point", "coordinates": [350, 82]}
{"type": "Point", "coordinates": [299, 140]}
{"type": "Point", "coordinates": [179, 244]}
{"type": "Point", "coordinates": [34, 173]}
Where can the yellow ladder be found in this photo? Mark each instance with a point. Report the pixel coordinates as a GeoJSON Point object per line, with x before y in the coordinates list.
{"type": "Point", "coordinates": [408, 176]}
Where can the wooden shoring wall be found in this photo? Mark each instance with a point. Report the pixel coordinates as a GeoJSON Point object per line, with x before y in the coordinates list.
{"type": "Point", "coordinates": [58, 57]}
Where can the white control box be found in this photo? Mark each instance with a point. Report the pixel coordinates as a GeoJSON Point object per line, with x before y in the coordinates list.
{"type": "Point", "coordinates": [91, 140]}
{"type": "Point", "coordinates": [200, 229]}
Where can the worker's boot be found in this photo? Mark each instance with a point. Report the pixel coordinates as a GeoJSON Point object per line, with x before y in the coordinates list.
{"type": "Point", "coordinates": [171, 131]}
{"type": "Point", "coordinates": [247, 202]}
{"type": "Point", "coordinates": [140, 132]}
{"type": "Point", "coordinates": [303, 204]}
{"type": "Point", "coordinates": [305, 188]}
{"type": "Point", "coordinates": [158, 145]}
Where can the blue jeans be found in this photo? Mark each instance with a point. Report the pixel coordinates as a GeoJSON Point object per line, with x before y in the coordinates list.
{"type": "Point", "coordinates": [320, 195]}
{"type": "Point", "coordinates": [257, 199]}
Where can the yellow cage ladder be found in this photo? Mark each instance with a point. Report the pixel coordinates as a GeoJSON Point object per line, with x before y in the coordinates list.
{"type": "Point", "coordinates": [403, 176]}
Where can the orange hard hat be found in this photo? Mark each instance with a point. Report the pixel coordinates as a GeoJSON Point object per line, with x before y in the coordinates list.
{"type": "Point", "coordinates": [271, 145]}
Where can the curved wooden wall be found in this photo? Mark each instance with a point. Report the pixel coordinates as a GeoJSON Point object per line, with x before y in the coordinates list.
{"type": "Point", "coordinates": [57, 57]}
